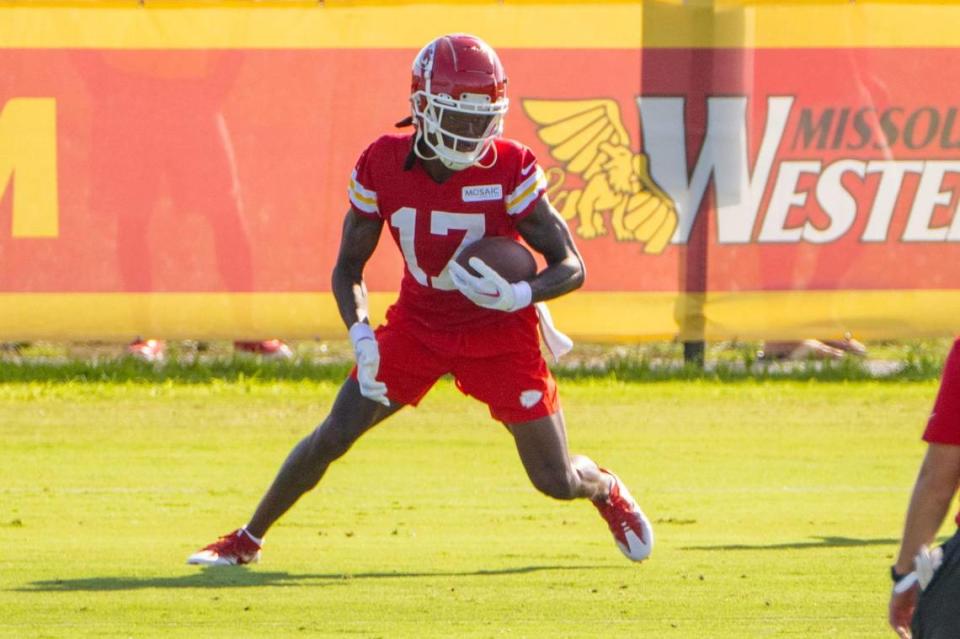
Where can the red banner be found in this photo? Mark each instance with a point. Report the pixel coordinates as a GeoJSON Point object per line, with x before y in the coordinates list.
{"type": "Point", "coordinates": [716, 183]}
{"type": "Point", "coordinates": [226, 170]}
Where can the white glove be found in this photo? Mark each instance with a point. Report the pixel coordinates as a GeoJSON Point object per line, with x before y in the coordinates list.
{"type": "Point", "coordinates": [926, 563]}
{"type": "Point", "coordinates": [367, 352]}
{"type": "Point", "coordinates": [490, 290]}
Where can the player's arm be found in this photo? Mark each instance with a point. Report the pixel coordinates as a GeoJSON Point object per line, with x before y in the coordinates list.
{"type": "Point", "coordinates": [358, 240]}
{"type": "Point", "coordinates": [546, 232]}
{"type": "Point", "coordinates": [933, 492]}
{"type": "Point", "coordinates": [357, 243]}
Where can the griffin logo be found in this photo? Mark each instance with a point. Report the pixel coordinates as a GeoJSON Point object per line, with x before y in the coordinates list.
{"type": "Point", "coordinates": [589, 138]}
{"type": "Point", "coordinates": [529, 398]}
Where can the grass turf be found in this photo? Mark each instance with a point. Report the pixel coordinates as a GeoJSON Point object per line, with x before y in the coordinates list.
{"type": "Point", "coordinates": [777, 506]}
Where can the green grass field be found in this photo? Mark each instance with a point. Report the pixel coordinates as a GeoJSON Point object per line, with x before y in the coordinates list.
{"type": "Point", "coordinates": [777, 507]}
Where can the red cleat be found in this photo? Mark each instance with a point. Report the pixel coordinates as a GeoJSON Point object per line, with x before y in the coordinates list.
{"type": "Point", "coordinates": [234, 549]}
{"type": "Point", "coordinates": [147, 350]}
{"type": "Point", "coordinates": [630, 527]}
{"type": "Point", "coordinates": [268, 349]}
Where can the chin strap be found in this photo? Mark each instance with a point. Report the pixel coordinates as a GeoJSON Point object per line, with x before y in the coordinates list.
{"type": "Point", "coordinates": [453, 166]}
{"type": "Point", "coordinates": [416, 147]}
{"type": "Point", "coordinates": [493, 161]}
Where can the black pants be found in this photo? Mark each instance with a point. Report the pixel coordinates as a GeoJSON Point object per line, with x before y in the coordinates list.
{"type": "Point", "coordinates": [938, 608]}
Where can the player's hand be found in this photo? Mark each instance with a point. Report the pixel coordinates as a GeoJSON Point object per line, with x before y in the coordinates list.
{"type": "Point", "coordinates": [902, 605]}
{"type": "Point", "coordinates": [489, 289]}
{"type": "Point", "coordinates": [367, 352]}
{"type": "Point", "coordinates": [926, 563]}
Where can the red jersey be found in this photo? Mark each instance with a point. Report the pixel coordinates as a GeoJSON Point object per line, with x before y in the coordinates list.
{"type": "Point", "coordinates": [943, 427]}
{"type": "Point", "coordinates": [431, 223]}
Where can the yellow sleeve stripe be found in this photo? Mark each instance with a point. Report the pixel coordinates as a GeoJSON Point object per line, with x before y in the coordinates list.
{"type": "Point", "coordinates": [363, 199]}
{"type": "Point", "coordinates": [529, 190]}
{"type": "Point", "coordinates": [359, 188]}
{"type": "Point", "coordinates": [364, 204]}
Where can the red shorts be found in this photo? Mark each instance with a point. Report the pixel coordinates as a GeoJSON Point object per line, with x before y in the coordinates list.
{"type": "Point", "coordinates": [500, 364]}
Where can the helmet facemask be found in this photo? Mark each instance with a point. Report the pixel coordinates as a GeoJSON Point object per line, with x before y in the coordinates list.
{"type": "Point", "coordinates": [458, 132]}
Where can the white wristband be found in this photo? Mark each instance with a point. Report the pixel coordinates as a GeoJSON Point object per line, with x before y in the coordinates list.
{"type": "Point", "coordinates": [360, 331]}
{"type": "Point", "coordinates": [905, 584]}
{"type": "Point", "coordinates": [522, 295]}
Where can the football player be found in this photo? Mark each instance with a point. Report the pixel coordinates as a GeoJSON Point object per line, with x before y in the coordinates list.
{"type": "Point", "coordinates": [451, 182]}
{"type": "Point", "coordinates": [925, 603]}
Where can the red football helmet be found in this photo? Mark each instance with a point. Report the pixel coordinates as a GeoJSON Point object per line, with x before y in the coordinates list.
{"type": "Point", "coordinates": [458, 98]}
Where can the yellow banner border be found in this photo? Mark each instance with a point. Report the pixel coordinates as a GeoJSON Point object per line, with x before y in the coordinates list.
{"type": "Point", "coordinates": [589, 316]}
{"type": "Point", "coordinates": [523, 24]}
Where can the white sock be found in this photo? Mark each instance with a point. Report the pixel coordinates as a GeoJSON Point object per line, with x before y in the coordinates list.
{"type": "Point", "coordinates": [256, 540]}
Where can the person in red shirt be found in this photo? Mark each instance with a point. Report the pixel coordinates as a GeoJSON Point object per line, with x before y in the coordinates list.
{"type": "Point", "coordinates": [450, 183]}
{"type": "Point", "coordinates": [925, 603]}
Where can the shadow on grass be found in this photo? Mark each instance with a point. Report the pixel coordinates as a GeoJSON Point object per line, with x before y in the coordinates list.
{"type": "Point", "coordinates": [817, 542]}
{"type": "Point", "coordinates": [242, 577]}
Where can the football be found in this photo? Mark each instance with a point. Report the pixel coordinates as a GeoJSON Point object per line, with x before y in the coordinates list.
{"type": "Point", "coordinates": [512, 260]}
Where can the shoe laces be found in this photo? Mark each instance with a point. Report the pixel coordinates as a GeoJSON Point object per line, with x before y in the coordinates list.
{"type": "Point", "coordinates": [616, 510]}
{"type": "Point", "coordinates": [236, 543]}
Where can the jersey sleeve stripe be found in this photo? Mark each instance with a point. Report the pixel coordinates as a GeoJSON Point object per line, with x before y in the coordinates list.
{"type": "Point", "coordinates": [529, 190]}
{"type": "Point", "coordinates": [363, 205]}
{"type": "Point", "coordinates": [359, 188]}
{"type": "Point", "coordinates": [364, 199]}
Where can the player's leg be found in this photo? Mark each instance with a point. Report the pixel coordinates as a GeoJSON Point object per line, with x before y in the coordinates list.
{"type": "Point", "coordinates": [407, 368]}
{"type": "Point", "coordinates": [351, 416]}
{"type": "Point", "coordinates": [542, 445]}
{"type": "Point", "coordinates": [506, 370]}
{"type": "Point", "coordinates": [503, 367]}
